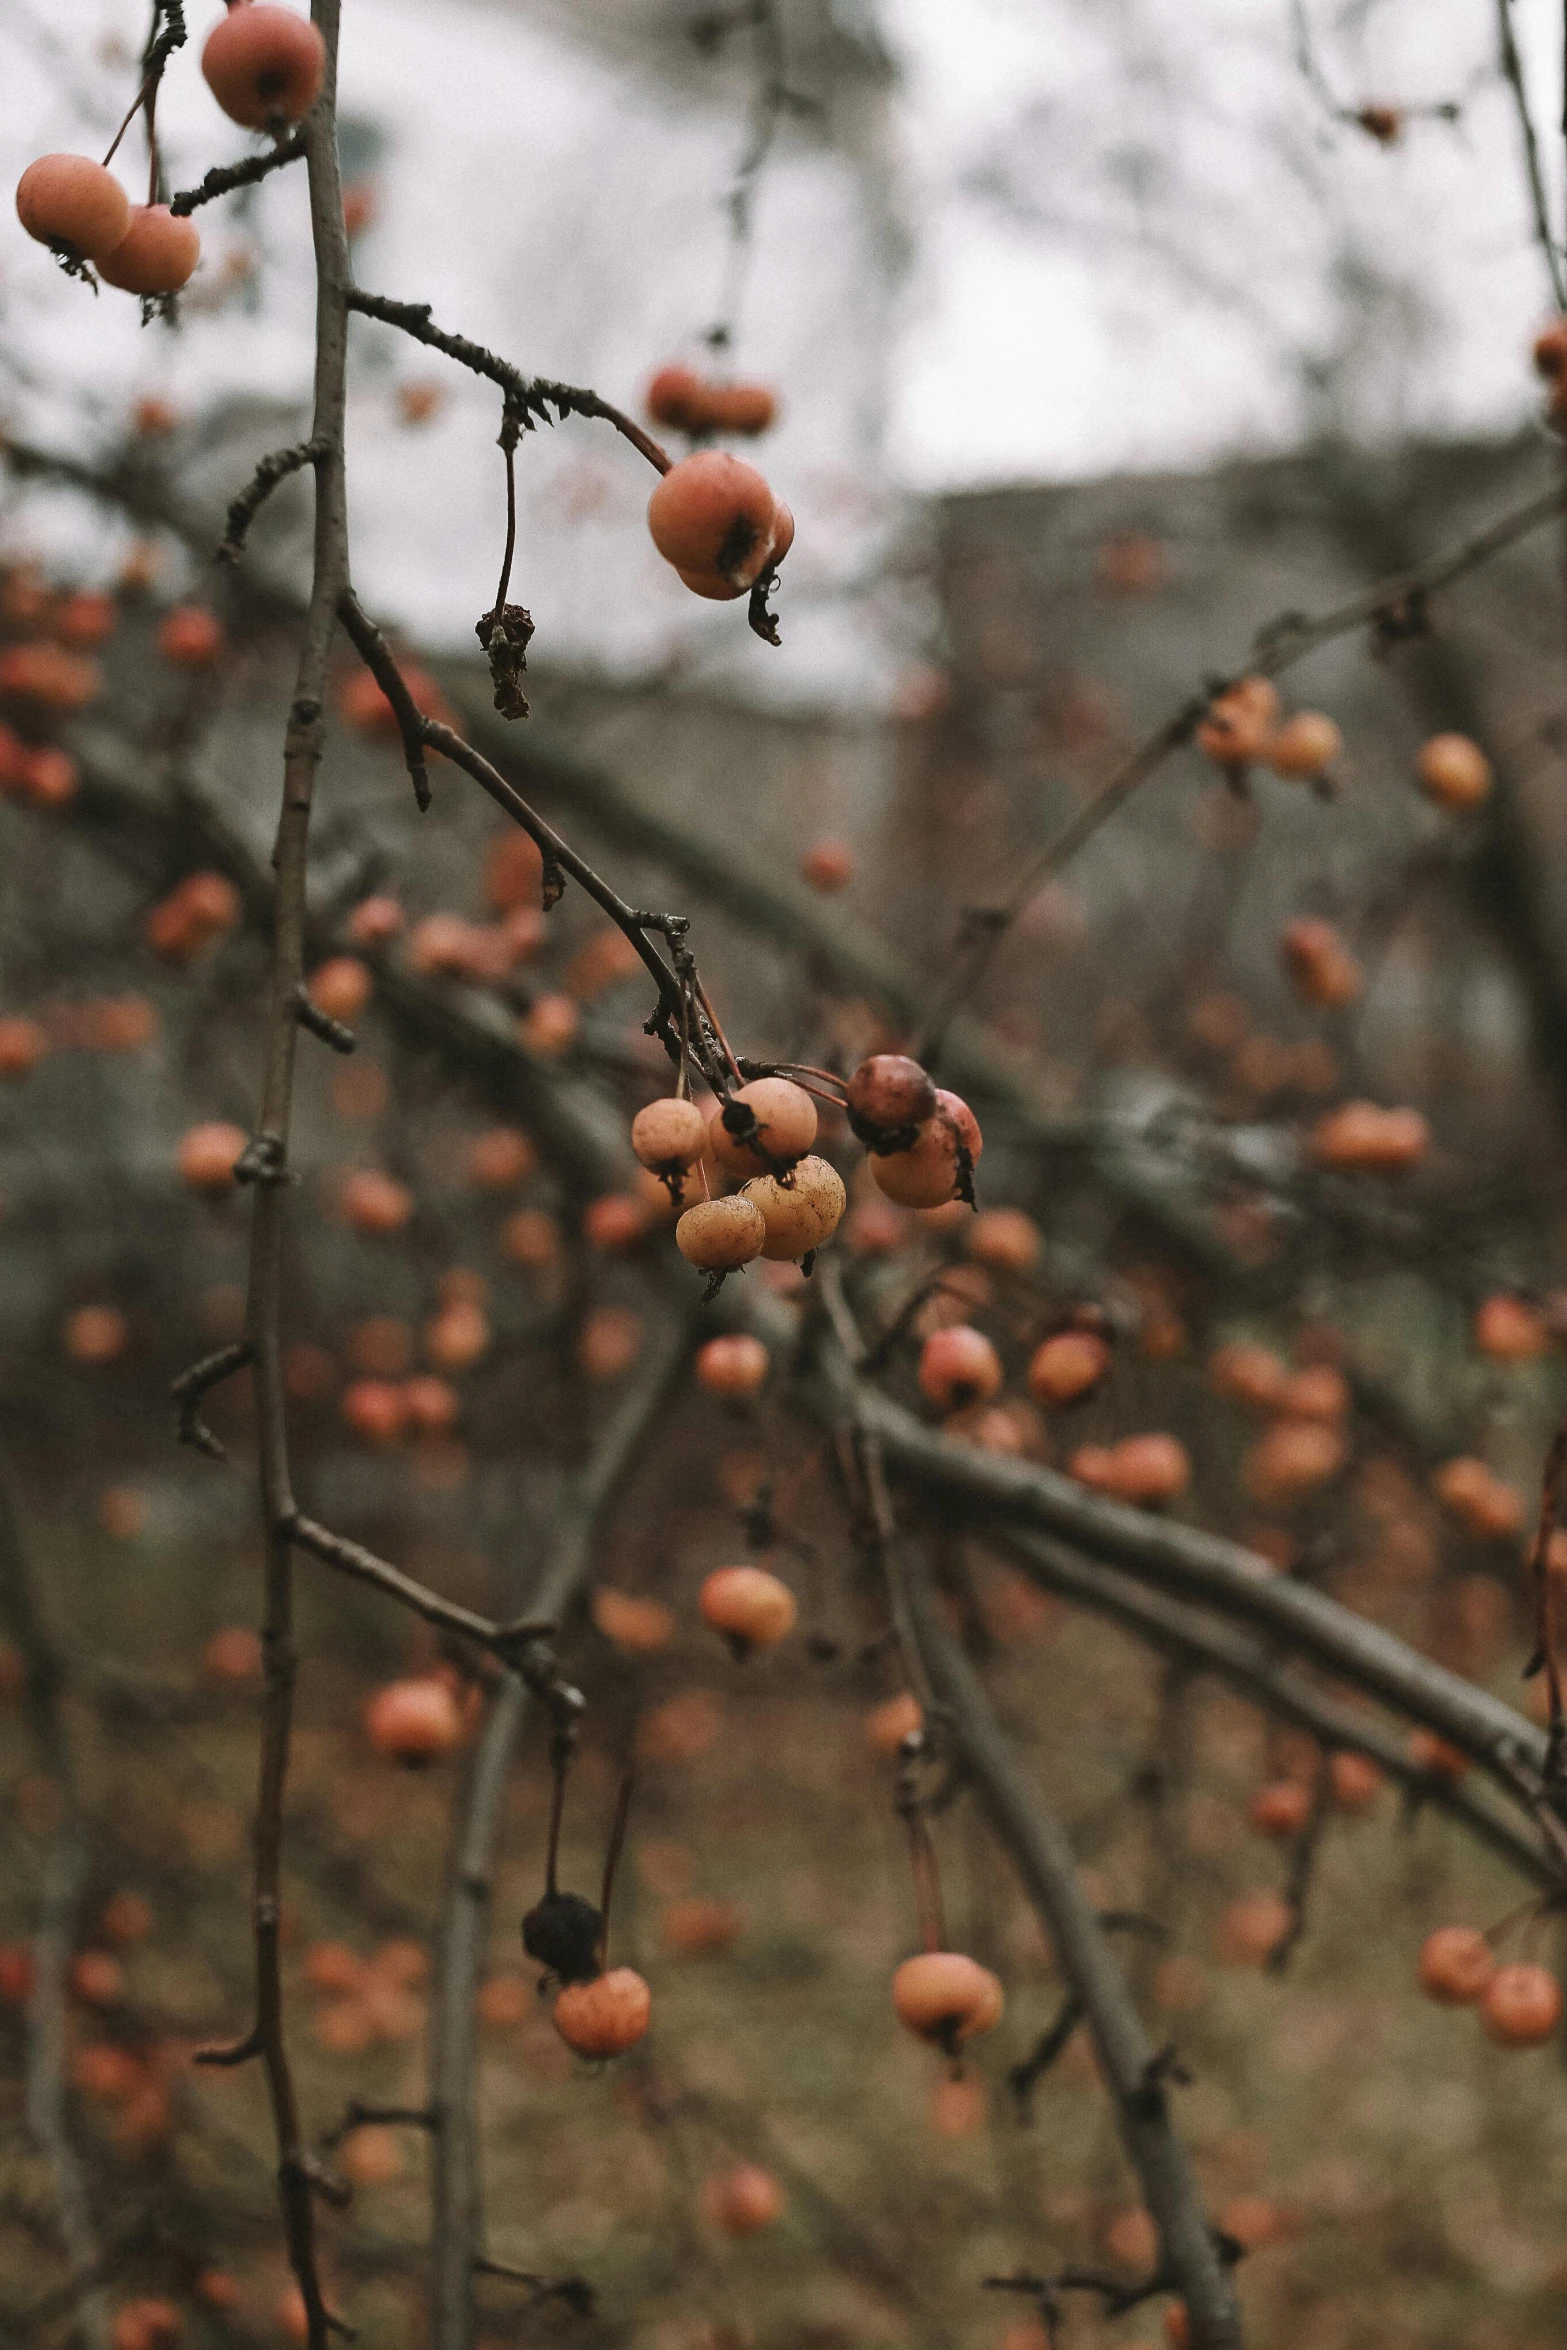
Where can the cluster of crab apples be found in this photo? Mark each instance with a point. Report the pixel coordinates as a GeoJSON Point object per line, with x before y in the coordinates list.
{"type": "Point", "coordinates": [264, 65]}
{"type": "Point", "coordinates": [923, 1143]}
{"type": "Point", "coordinates": [1244, 727]}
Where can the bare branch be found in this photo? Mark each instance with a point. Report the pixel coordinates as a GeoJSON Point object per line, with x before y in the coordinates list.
{"type": "Point", "coordinates": [224, 178]}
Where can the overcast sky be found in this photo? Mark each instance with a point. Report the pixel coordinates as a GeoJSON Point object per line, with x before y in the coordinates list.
{"type": "Point", "coordinates": [1141, 239]}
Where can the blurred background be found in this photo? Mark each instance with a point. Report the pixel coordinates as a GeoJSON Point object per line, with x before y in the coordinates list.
{"type": "Point", "coordinates": [1101, 337]}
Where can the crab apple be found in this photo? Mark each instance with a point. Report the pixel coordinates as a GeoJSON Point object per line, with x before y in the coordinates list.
{"type": "Point", "coordinates": [549, 1025]}
{"type": "Point", "coordinates": [670, 1134]}
{"type": "Point", "coordinates": [1456, 1966]}
{"type": "Point", "coordinates": [897, 1718]}
{"type": "Point", "coordinates": [1319, 965]}
{"type": "Point", "coordinates": [631, 1622]}
{"type": "Point", "coordinates": [742, 408]}
{"type": "Point", "coordinates": [97, 1978]}
{"type": "Point", "coordinates": [264, 64]}
{"type": "Point", "coordinates": [414, 1721]}
{"type": "Point", "coordinates": [743, 2200]}
{"type": "Point", "coordinates": [513, 872]}
{"type": "Point", "coordinates": [1178, 2326]}
{"type": "Point", "coordinates": [1293, 1457]}
{"type": "Point", "coordinates": [1150, 1470]}
{"type": "Point", "coordinates": [190, 636]}
{"type": "Point", "coordinates": [156, 255]}
{"type": "Point", "coordinates": [735, 1364]}
{"type": "Point", "coordinates": [752, 1608]}
{"type": "Point", "coordinates": [146, 2325]}
{"type": "Point", "coordinates": [232, 1656]}
{"type": "Point", "coordinates": [1252, 1928]}
{"type": "Point", "coordinates": [1304, 745]}
{"type": "Point", "coordinates": [942, 1995]}
{"type": "Point", "coordinates": [531, 1238]}
{"type": "Point", "coordinates": [1510, 1330]}
{"type": "Point", "coordinates": [828, 865]}
{"type": "Point", "coordinates": [798, 1215]}
{"type": "Point", "coordinates": [785, 1117]}
{"type": "Point", "coordinates": [83, 619]}
{"type": "Point", "coordinates": [719, 1234]}
{"type": "Point", "coordinates": [1005, 1239]}
{"type": "Point", "coordinates": [1363, 1136]}
{"type": "Point", "coordinates": [616, 1221]}
{"type": "Point", "coordinates": [678, 396]}
{"type": "Point", "coordinates": [49, 675]}
{"type": "Point", "coordinates": [376, 1409]}
{"type": "Point", "coordinates": [1453, 771]}
{"type": "Point", "coordinates": [1550, 349]}
{"type": "Point", "coordinates": [959, 1366]}
{"type": "Point", "coordinates": [374, 1202]}
{"type": "Point", "coordinates": [926, 1174]}
{"type": "Point", "coordinates": [1068, 1366]}
{"type": "Point", "coordinates": [341, 987]}
{"type": "Point", "coordinates": [1281, 1809]}
{"type": "Point", "coordinates": [608, 1342]}
{"type": "Point", "coordinates": [1487, 1505]}
{"type": "Point", "coordinates": [889, 1095]}
{"type": "Point", "coordinates": [96, 1334]}
{"type": "Point", "coordinates": [714, 515]}
{"type": "Point", "coordinates": [1240, 722]}
{"type": "Point", "coordinates": [22, 1045]}
{"type": "Point", "coordinates": [375, 921]}
{"type": "Point", "coordinates": [500, 1158]}
{"type": "Point", "coordinates": [458, 1336]}
{"type": "Point", "coordinates": [70, 200]}
{"type": "Point", "coordinates": [431, 1405]}
{"type": "Point", "coordinates": [1521, 2006]}
{"type": "Point", "coordinates": [604, 2017]}
{"type": "Point", "coordinates": [1354, 1781]}
{"type": "Point", "coordinates": [209, 1153]}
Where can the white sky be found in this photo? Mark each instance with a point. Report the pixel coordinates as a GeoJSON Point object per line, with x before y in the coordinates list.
{"type": "Point", "coordinates": [1196, 260]}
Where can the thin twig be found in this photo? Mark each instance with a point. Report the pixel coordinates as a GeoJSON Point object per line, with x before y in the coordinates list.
{"type": "Point", "coordinates": [271, 470]}
{"type": "Point", "coordinates": [1132, 2071]}
{"type": "Point", "coordinates": [1513, 74]}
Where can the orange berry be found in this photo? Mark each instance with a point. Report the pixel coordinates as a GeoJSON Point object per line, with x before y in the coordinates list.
{"type": "Point", "coordinates": [1149, 1470]}
{"type": "Point", "coordinates": [1292, 1457]}
{"type": "Point", "coordinates": [749, 1606]}
{"type": "Point", "coordinates": [799, 1212]}
{"type": "Point", "coordinates": [232, 1655]}
{"type": "Point", "coordinates": [458, 1336]}
{"type": "Point", "coordinates": [341, 987]}
{"type": "Point", "coordinates": [1320, 966]}
{"type": "Point", "coordinates": [264, 64]}
{"type": "Point", "coordinates": [670, 1134]}
{"type": "Point", "coordinates": [374, 921]}
{"type": "Point", "coordinates": [1355, 1781]}
{"type": "Point", "coordinates": [942, 1995]}
{"type": "Point", "coordinates": [501, 1158]}
{"type": "Point", "coordinates": [22, 1045]}
{"type": "Point", "coordinates": [126, 1917]}
{"type": "Point", "coordinates": [49, 675]}
{"type": "Point", "coordinates": [1252, 1928]}
{"type": "Point", "coordinates": [156, 255]}
{"type": "Point", "coordinates": [414, 1721]}
{"type": "Point", "coordinates": [531, 1238]}
{"type": "Point", "coordinates": [735, 1364]}
{"type": "Point", "coordinates": [549, 1024]}
{"type": "Point", "coordinates": [743, 2200]}
{"type": "Point", "coordinates": [1251, 1375]}
{"type": "Point", "coordinates": [70, 200]}
{"type": "Point", "coordinates": [84, 619]}
{"type": "Point", "coordinates": [1453, 771]}
{"type": "Point", "coordinates": [639, 1624]}
{"type": "Point", "coordinates": [96, 1334]}
{"type": "Point", "coordinates": [1005, 1239]}
{"type": "Point", "coordinates": [1363, 1136]}
{"type": "Point", "coordinates": [1068, 1366]}
{"type": "Point", "coordinates": [1430, 1753]}
{"type": "Point", "coordinates": [959, 1366]}
{"type": "Point", "coordinates": [714, 515]}
{"type": "Point", "coordinates": [699, 1928]}
{"type": "Point", "coordinates": [785, 1121]}
{"type": "Point", "coordinates": [332, 1966]}
{"type": "Point", "coordinates": [888, 1094]}
{"type": "Point", "coordinates": [606, 2016]}
{"type": "Point", "coordinates": [617, 1221]}
{"type": "Point", "coordinates": [374, 1202]}
{"type": "Point", "coordinates": [888, 1724]}
{"type": "Point", "coordinates": [1510, 1330]}
{"type": "Point", "coordinates": [743, 408]}
{"type": "Point", "coordinates": [1304, 745]}
{"type": "Point", "coordinates": [431, 1405]}
{"type": "Point", "coordinates": [608, 1342]}
{"type": "Point", "coordinates": [208, 1153]}
{"type": "Point", "coordinates": [1521, 2006]}
{"type": "Point", "coordinates": [1240, 722]}
{"type": "Point", "coordinates": [376, 1409]}
{"type": "Point", "coordinates": [719, 1234]}
{"type": "Point", "coordinates": [190, 636]}
{"type": "Point", "coordinates": [1282, 1809]}
{"type": "Point", "coordinates": [1456, 1966]}
{"type": "Point", "coordinates": [97, 1978]}
{"type": "Point", "coordinates": [679, 397]}
{"type": "Point", "coordinates": [828, 865]}
{"type": "Point", "coordinates": [146, 2325]}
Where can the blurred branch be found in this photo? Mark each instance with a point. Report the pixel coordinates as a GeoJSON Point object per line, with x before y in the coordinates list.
{"type": "Point", "coordinates": [66, 1867]}
{"type": "Point", "coordinates": [1513, 74]}
{"type": "Point", "coordinates": [1190, 2256]}
{"type": "Point", "coordinates": [1260, 1669]}
{"type": "Point", "coordinates": [457, 2214]}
